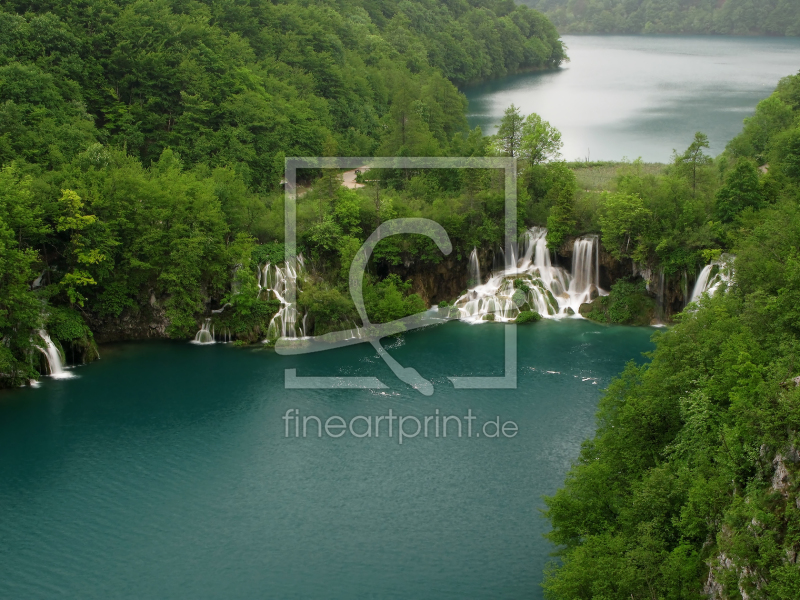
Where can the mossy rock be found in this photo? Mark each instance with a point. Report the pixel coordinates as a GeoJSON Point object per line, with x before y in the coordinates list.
{"type": "Point", "coordinates": [489, 317]}
{"type": "Point", "coordinates": [527, 316]}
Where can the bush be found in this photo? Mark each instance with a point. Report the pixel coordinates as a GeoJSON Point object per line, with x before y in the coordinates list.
{"type": "Point", "coordinates": [626, 304]}
{"type": "Point", "coordinates": [521, 284]}
{"type": "Point", "coordinates": [527, 316]}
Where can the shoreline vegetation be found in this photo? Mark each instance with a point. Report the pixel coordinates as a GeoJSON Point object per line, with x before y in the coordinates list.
{"type": "Point", "coordinates": [779, 18]}
{"type": "Point", "coordinates": [142, 145]}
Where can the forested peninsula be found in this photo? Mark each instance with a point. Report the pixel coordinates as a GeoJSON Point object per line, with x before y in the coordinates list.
{"type": "Point", "coordinates": [716, 17]}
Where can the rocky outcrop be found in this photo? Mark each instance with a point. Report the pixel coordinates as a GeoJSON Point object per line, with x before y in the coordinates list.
{"type": "Point", "coordinates": [146, 321]}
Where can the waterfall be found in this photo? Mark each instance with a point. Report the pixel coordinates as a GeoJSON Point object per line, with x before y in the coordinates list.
{"type": "Point", "coordinates": [549, 290]}
{"type": "Point", "coordinates": [273, 283]}
{"type": "Point", "coordinates": [206, 333]}
{"type": "Point", "coordinates": [474, 268]}
{"type": "Point", "coordinates": [713, 276]}
{"type": "Point", "coordinates": [53, 356]}
{"type": "Point", "coordinates": [585, 271]}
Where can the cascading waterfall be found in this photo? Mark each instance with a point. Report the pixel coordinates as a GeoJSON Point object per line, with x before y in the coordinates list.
{"type": "Point", "coordinates": [549, 290]}
{"type": "Point", "coordinates": [206, 333]}
{"type": "Point", "coordinates": [55, 363]}
{"type": "Point", "coordinates": [272, 283]}
{"type": "Point", "coordinates": [713, 276]}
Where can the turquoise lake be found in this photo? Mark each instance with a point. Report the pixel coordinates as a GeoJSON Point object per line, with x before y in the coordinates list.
{"type": "Point", "coordinates": [643, 96]}
{"type": "Point", "coordinates": [164, 471]}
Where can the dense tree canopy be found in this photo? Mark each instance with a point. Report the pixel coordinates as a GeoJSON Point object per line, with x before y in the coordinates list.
{"type": "Point", "coordinates": [142, 146]}
{"type": "Point", "coordinates": [730, 17]}
{"type": "Point", "coordinates": [691, 486]}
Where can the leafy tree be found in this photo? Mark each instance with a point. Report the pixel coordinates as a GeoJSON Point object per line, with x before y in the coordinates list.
{"type": "Point", "coordinates": [742, 190]}
{"type": "Point", "coordinates": [539, 141]}
{"type": "Point", "coordinates": [622, 222]}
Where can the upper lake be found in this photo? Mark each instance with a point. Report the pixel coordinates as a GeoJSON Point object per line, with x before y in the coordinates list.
{"type": "Point", "coordinates": [636, 96]}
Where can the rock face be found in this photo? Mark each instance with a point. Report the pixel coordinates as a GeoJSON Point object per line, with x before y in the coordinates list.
{"type": "Point", "coordinates": [446, 280]}
{"type": "Point", "coordinates": [147, 321]}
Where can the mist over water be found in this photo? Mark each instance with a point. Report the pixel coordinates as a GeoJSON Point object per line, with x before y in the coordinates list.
{"type": "Point", "coordinates": [162, 470]}
{"type": "Point", "coordinates": [643, 96]}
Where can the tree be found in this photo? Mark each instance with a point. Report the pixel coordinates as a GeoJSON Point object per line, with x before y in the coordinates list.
{"type": "Point", "coordinates": [539, 141]}
{"type": "Point", "coordinates": [623, 218]}
{"type": "Point", "coordinates": [509, 135]}
{"type": "Point", "coordinates": [742, 190]}
{"type": "Point", "coordinates": [694, 158]}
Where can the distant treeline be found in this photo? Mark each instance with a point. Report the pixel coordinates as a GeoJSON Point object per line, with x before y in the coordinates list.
{"type": "Point", "coordinates": [726, 17]}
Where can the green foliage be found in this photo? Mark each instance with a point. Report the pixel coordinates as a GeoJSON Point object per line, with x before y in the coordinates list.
{"type": "Point", "coordinates": [539, 141]}
{"type": "Point", "coordinates": [521, 284]}
{"type": "Point", "coordinates": [509, 134]}
{"type": "Point", "coordinates": [733, 17]}
{"type": "Point", "coordinates": [561, 223]}
{"type": "Point", "coordinates": [391, 299]}
{"type": "Point", "coordinates": [328, 308]}
{"type": "Point", "coordinates": [626, 304]}
{"type": "Point", "coordinates": [693, 477]}
{"type": "Point", "coordinates": [142, 146]}
{"type": "Point", "coordinates": [623, 218]}
{"type": "Point", "coordinates": [527, 316]}
{"type": "Point", "coordinates": [248, 322]}
{"type": "Point", "coordinates": [742, 190]}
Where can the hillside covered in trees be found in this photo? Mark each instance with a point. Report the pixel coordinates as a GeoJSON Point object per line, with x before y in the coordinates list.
{"type": "Point", "coordinates": [142, 143]}
{"type": "Point", "coordinates": [691, 485]}
{"type": "Point", "coordinates": [725, 17]}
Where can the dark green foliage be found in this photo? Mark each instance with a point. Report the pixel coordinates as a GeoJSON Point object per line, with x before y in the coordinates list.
{"type": "Point", "coordinates": [742, 190]}
{"type": "Point", "coordinates": [626, 304]}
{"type": "Point", "coordinates": [527, 316]}
{"type": "Point", "coordinates": [248, 324]}
{"type": "Point", "coordinates": [693, 478]}
{"type": "Point", "coordinates": [732, 17]}
{"type": "Point", "coordinates": [142, 146]}
{"type": "Point", "coordinates": [391, 299]}
{"type": "Point", "coordinates": [521, 284]}
{"type": "Point", "coordinates": [68, 329]}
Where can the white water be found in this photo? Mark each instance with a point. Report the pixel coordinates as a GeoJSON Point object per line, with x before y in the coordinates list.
{"type": "Point", "coordinates": [55, 362]}
{"type": "Point", "coordinates": [553, 292]}
{"type": "Point", "coordinates": [206, 334]}
{"type": "Point", "coordinates": [272, 283]}
{"type": "Point", "coordinates": [474, 268]}
{"type": "Point", "coordinates": [713, 276]}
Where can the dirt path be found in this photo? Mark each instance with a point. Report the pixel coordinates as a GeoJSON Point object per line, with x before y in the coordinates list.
{"type": "Point", "coordinates": [349, 179]}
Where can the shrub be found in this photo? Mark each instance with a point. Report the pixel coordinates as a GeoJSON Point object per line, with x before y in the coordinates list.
{"type": "Point", "coordinates": [527, 316]}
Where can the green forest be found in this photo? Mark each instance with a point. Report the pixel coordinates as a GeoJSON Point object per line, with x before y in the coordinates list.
{"type": "Point", "coordinates": [689, 488]}
{"type": "Point", "coordinates": [142, 146]}
{"type": "Point", "coordinates": [725, 17]}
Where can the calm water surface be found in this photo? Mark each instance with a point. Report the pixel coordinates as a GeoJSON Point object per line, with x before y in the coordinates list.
{"type": "Point", "coordinates": [162, 471]}
{"type": "Point", "coordinates": [637, 96]}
